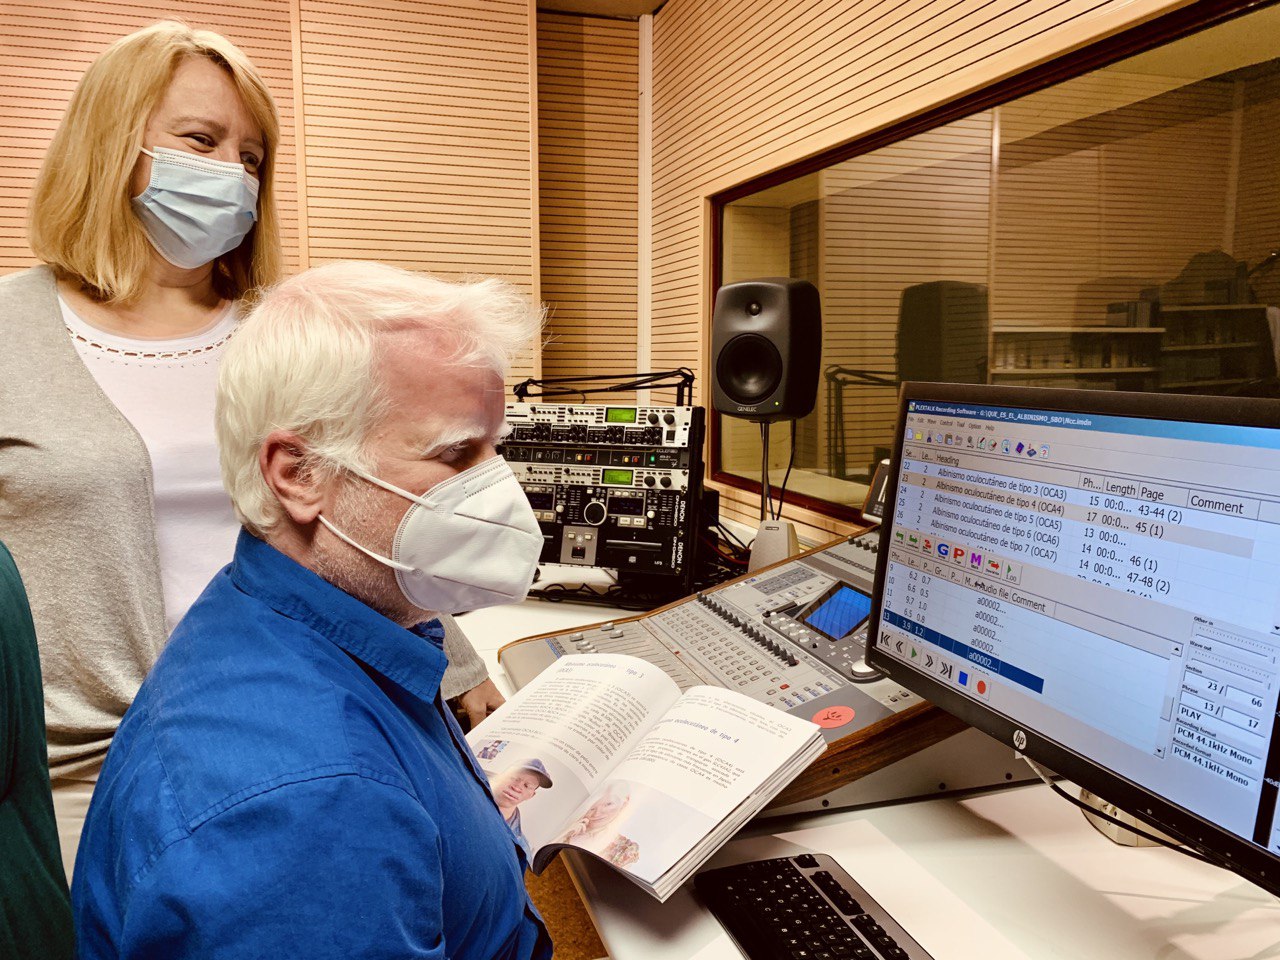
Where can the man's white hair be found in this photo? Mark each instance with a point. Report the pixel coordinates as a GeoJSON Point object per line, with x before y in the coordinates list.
{"type": "Point", "coordinates": [305, 360]}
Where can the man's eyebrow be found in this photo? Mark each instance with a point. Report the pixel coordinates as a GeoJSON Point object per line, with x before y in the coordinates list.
{"type": "Point", "coordinates": [465, 433]}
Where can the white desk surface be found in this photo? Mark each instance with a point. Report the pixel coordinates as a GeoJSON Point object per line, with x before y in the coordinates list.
{"type": "Point", "coordinates": [1015, 873]}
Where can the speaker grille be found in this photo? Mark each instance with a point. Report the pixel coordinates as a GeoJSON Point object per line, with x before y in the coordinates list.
{"type": "Point", "coordinates": [749, 368]}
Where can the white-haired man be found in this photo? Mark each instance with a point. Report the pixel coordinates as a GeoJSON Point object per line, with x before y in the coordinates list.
{"type": "Point", "coordinates": [288, 782]}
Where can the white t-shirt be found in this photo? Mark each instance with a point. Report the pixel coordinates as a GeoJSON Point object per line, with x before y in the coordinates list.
{"type": "Point", "coordinates": [165, 388]}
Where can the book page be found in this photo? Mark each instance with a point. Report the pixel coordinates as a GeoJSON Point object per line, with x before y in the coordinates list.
{"type": "Point", "coordinates": [547, 747]}
{"type": "Point", "coordinates": [696, 765]}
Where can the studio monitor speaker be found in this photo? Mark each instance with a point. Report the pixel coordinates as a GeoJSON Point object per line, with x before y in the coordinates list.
{"type": "Point", "coordinates": [942, 332]}
{"type": "Point", "coordinates": [766, 344]}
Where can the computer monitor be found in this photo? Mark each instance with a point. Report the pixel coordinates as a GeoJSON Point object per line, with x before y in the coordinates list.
{"type": "Point", "coordinates": [1094, 579]}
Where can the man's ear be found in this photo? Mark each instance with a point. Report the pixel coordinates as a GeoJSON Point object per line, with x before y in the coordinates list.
{"type": "Point", "coordinates": [283, 461]}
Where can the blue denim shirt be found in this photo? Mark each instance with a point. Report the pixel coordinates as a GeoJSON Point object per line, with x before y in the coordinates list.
{"type": "Point", "coordinates": [288, 783]}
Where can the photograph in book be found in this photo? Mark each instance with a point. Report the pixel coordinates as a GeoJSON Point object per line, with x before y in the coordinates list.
{"type": "Point", "coordinates": [636, 826]}
{"type": "Point", "coordinates": [532, 790]}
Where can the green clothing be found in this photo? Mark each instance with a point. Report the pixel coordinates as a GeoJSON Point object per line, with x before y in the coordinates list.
{"type": "Point", "coordinates": [35, 908]}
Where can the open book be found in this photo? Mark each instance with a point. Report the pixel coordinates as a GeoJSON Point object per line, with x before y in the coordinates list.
{"type": "Point", "coordinates": [602, 753]}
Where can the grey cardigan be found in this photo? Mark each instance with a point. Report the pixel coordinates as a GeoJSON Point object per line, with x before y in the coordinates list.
{"type": "Point", "coordinates": [76, 511]}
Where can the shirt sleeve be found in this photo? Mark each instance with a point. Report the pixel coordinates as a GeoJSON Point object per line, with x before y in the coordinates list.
{"type": "Point", "coordinates": [334, 867]}
{"type": "Point", "coordinates": [466, 667]}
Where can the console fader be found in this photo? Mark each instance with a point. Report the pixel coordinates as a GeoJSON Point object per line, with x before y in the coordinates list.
{"type": "Point", "coordinates": [614, 487]}
{"type": "Point", "coordinates": [792, 636]}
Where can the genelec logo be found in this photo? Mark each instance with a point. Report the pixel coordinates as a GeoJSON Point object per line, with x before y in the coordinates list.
{"type": "Point", "coordinates": [1019, 740]}
{"type": "Point", "coordinates": [742, 409]}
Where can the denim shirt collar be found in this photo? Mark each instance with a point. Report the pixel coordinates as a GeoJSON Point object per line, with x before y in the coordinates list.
{"type": "Point", "coordinates": [413, 659]}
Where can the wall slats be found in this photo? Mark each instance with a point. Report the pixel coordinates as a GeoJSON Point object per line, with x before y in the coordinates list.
{"type": "Point", "coordinates": [1257, 219]}
{"type": "Point", "coordinates": [588, 128]}
{"type": "Point", "coordinates": [417, 129]}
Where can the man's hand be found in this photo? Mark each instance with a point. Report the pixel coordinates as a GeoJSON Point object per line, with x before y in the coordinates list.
{"type": "Point", "coordinates": [480, 701]}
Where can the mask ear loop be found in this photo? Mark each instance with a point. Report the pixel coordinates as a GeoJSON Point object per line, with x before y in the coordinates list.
{"type": "Point", "coordinates": [389, 487]}
{"type": "Point", "coordinates": [394, 564]}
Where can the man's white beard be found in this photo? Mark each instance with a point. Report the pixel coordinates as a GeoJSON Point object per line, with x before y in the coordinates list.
{"type": "Point", "coordinates": [357, 515]}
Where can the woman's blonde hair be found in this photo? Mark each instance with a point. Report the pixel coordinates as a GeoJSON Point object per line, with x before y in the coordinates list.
{"type": "Point", "coordinates": [81, 220]}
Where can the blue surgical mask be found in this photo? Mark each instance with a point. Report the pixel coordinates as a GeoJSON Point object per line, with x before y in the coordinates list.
{"type": "Point", "coordinates": [195, 209]}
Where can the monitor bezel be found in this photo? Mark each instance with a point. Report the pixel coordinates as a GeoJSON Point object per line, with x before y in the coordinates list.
{"type": "Point", "coordinates": [1225, 848]}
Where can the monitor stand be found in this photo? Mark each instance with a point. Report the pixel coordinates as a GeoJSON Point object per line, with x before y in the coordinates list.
{"type": "Point", "coordinates": [1115, 833]}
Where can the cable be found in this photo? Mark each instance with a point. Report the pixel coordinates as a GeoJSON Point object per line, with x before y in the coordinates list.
{"type": "Point", "coordinates": [1094, 811]}
{"type": "Point", "coordinates": [680, 379]}
{"type": "Point", "coordinates": [613, 596]}
{"type": "Point", "coordinates": [791, 459]}
{"type": "Point", "coordinates": [766, 497]}
{"type": "Point", "coordinates": [728, 535]}
{"type": "Point", "coordinates": [720, 553]}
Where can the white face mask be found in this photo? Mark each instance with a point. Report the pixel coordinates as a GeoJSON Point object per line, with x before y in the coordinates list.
{"type": "Point", "coordinates": [195, 209]}
{"type": "Point", "coordinates": [470, 541]}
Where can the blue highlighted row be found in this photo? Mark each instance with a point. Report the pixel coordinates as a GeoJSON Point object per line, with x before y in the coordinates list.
{"type": "Point", "coordinates": [979, 658]}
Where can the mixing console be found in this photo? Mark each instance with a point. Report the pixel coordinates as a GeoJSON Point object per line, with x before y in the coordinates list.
{"type": "Point", "coordinates": [792, 636]}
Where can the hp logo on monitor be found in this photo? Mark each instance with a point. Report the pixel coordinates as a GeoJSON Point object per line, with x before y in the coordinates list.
{"type": "Point", "coordinates": [1019, 740]}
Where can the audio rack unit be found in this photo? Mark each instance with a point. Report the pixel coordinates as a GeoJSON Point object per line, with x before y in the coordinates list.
{"type": "Point", "coordinates": [616, 488]}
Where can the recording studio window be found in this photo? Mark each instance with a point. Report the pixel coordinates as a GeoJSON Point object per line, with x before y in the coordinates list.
{"type": "Point", "coordinates": [1116, 231]}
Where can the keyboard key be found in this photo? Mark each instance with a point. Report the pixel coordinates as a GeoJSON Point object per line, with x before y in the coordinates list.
{"type": "Point", "coordinates": [846, 904]}
{"type": "Point", "coordinates": [867, 924]}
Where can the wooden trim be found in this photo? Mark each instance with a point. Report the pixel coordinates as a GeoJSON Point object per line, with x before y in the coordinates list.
{"type": "Point", "coordinates": [300, 134]}
{"type": "Point", "coordinates": [644, 201]}
{"type": "Point", "coordinates": [535, 178]}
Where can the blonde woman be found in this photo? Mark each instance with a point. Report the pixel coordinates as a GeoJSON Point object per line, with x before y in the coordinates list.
{"type": "Point", "coordinates": [155, 218]}
{"type": "Point", "coordinates": [154, 213]}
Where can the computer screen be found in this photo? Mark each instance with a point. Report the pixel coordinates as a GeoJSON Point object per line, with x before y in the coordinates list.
{"type": "Point", "coordinates": [1094, 578]}
{"type": "Point", "coordinates": [839, 611]}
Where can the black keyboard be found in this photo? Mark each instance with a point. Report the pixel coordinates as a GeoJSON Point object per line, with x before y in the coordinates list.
{"type": "Point", "coordinates": [802, 908]}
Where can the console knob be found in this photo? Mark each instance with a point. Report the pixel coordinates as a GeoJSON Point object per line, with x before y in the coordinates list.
{"type": "Point", "coordinates": [594, 513]}
{"type": "Point", "coordinates": [649, 481]}
{"type": "Point", "coordinates": [668, 418]}
{"type": "Point", "coordinates": [653, 418]}
{"type": "Point", "coordinates": [665, 481]}
{"type": "Point", "coordinates": [862, 672]}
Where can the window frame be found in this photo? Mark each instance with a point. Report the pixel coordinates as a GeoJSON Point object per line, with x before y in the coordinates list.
{"type": "Point", "coordinates": [1175, 25]}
